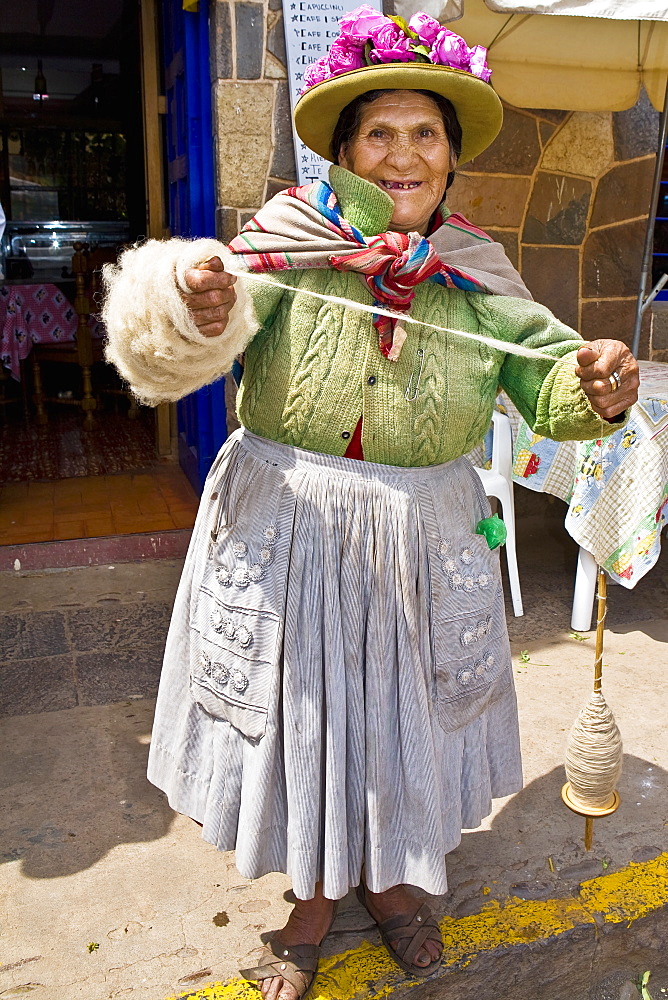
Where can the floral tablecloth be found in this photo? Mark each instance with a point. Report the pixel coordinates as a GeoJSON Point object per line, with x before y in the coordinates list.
{"type": "Point", "coordinates": [616, 488]}
{"type": "Point", "coordinates": [35, 314]}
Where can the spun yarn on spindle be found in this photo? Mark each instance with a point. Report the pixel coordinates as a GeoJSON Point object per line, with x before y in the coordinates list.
{"type": "Point", "coordinates": [594, 755]}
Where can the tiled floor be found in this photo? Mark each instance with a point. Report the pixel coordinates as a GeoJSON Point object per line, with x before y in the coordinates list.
{"type": "Point", "coordinates": [159, 499]}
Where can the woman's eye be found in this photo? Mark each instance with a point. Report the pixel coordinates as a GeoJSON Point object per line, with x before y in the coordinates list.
{"type": "Point", "coordinates": [376, 133]}
{"type": "Point", "coordinates": [426, 133]}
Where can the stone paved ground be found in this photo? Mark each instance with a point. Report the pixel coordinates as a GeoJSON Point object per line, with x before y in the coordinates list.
{"type": "Point", "coordinates": [94, 855]}
{"type": "Point", "coordinates": [61, 647]}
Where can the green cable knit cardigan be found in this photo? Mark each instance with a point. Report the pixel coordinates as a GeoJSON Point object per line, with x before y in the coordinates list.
{"type": "Point", "coordinates": [313, 368]}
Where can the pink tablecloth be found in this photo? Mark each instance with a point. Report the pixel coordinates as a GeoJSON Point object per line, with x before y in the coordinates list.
{"type": "Point", "coordinates": [34, 314]}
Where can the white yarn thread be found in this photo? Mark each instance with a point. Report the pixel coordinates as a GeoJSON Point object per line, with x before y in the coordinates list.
{"type": "Point", "coordinates": [594, 755]}
{"type": "Point", "coordinates": [594, 750]}
{"type": "Point", "coordinates": [499, 345]}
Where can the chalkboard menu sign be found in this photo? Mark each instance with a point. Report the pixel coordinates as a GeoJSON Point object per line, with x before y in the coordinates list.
{"type": "Point", "coordinates": [310, 29]}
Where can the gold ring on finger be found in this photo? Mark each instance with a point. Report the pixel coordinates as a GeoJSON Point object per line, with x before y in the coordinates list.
{"type": "Point", "coordinates": [615, 381]}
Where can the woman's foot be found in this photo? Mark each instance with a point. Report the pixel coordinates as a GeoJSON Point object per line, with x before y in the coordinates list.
{"type": "Point", "coordinates": [399, 902]}
{"type": "Point", "coordinates": [308, 923]}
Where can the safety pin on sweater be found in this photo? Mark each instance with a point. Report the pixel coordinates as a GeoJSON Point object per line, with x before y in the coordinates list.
{"type": "Point", "coordinates": [412, 390]}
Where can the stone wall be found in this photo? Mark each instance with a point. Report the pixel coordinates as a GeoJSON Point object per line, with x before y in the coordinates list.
{"type": "Point", "coordinates": [567, 193]}
{"type": "Point", "coordinates": [251, 109]}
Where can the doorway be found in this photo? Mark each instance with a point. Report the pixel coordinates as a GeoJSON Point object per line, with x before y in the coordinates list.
{"type": "Point", "coordinates": [81, 172]}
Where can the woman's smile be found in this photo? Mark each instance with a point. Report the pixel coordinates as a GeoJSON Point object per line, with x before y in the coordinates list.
{"type": "Point", "coordinates": [399, 185]}
{"type": "Point", "coordinates": [402, 147]}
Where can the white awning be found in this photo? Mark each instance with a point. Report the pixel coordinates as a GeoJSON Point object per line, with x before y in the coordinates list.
{"type": "Point", "coordinates": [621, 10]}
{"type": "Point", "coordinates": [578, 63]}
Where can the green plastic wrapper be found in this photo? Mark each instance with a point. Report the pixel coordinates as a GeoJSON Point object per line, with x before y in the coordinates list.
{"type": "Point", "coordinates": [493, 529]}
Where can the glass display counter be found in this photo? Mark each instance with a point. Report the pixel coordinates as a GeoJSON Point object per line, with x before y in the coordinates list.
{"type": "Point", "coordinates": [38, 252]}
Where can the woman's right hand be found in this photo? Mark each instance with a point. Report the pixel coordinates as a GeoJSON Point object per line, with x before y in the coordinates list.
{"type": "Point", "coordinates": [212, 296]}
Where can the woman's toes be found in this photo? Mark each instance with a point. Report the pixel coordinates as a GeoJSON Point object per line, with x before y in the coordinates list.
{"type": "Point", "coordinates": [287, 993]}
{"type": "Point", "coordinates": [430, 953]}
{"type": "Point", "coordinates": [427, 954]}
{"type": "Point", "coordinates": [273, 987]}
{"type": "Point", "coordinates": [277, 989]}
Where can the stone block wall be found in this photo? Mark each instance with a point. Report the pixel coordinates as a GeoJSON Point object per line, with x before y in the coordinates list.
{"type": "Point", "coordinates": [567, 193]}
{"type": "Point", "coordinates": [251, 109]}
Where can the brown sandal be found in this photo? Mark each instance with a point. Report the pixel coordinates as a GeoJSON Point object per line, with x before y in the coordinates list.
{"type": "Point", "coordinates": [404, 937]}
{"type": "Point", "coordinates": [297, 964]}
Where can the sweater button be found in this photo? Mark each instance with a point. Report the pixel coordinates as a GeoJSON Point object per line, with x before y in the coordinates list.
{"type": "Point", "coordinates": [371, 380]}
{"type": "Point", "coordinates": [345, 435]}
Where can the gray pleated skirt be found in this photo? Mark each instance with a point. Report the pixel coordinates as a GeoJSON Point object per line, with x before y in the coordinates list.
{"type": "Point", "coordinates": [337, 687]}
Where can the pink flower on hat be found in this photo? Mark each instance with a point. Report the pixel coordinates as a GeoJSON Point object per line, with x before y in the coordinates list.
{"type": "Point", "coordinates": [449, 49]}
{"type": "Point", "coordinates": [344, 57]}
{"type": "Point", "coordinates": [478, 63]}
{"type": "Point", "coordinates": [317, 72]}
{"type": "Point", "coordinates": [357, 26]}
{"type": "Point", "coordinates": [390, 44]}
{"type": "Point", "coordinates": [425, 27]}
{"type": "Point", "coordinates": [368, 37]}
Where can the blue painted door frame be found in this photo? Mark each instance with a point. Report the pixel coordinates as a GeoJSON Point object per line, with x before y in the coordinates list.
{"type": "Point", "coordinates": [202, 425]}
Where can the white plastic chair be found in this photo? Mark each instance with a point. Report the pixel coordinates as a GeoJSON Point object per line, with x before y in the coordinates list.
{"type": "Point", "coordinates": [498, 482]}
{"type": "Point", "coordinates": [585, 591]}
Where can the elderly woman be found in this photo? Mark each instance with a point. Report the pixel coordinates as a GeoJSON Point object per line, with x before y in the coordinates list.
{"type": "Point", "coordinates": [337, 694]}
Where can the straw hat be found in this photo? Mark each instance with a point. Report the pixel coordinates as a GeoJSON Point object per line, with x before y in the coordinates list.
{"type": "Point", "coordinates": [328, 89]}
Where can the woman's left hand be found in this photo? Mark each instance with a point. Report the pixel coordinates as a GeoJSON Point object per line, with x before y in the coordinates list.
{"type": "Point", "coordinates": [608, 374]}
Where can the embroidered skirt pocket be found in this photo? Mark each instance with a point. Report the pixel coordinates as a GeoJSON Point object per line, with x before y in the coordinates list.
{"type": "Point", "coordinates": [236, 618]}
{"type": "Point", "coordinates": [466, 575]}
{"type": "Point", "coordinates": [471, 653]}
{"type": "Point", "coordinates": [234, 654]}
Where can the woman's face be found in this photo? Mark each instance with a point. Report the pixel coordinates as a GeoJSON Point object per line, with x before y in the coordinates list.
{"type": "Point", "coordinates": [402, 147]}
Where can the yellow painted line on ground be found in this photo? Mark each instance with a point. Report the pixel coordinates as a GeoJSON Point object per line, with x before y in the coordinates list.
{"type": "Point", "coordinates": [368, 973]}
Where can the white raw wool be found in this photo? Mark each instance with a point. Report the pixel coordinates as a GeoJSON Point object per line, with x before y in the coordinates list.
{"type": "Point", "coordinates": [152, 339]}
